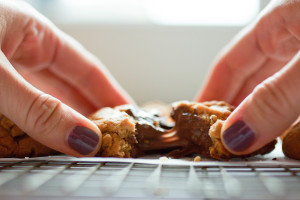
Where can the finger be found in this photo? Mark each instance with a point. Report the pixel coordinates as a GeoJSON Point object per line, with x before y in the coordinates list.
{"type": "Point", "coordinates": [66, 58]}
{"type": "Point", "coordinates": [266, 113]}
{"type": "Point", "coordinates": [51, 84]}
{"type": "Point", "coordinates": [35, 43]}
{"type": "Point", "coordinates": [45, 118]}
{"type": "Point", "coordinates": [269, 68]}
{"type": "Point", "coordinates": [273, 35]}
{"type": "Point", "coordinates": [238, 62]}
{"type": "Point", "coordinates": [82, 70]}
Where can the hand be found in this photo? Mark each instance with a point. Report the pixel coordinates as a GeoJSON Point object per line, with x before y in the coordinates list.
{"type": "Point", "coordinates": [42, 70]}
{"type": "Point", "coordinates": [260, 72]}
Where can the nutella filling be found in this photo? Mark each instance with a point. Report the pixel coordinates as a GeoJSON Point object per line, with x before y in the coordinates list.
{"type": "Point", "coordinates": [154, 133]}
{"type": "Point", "coordinates": [184, 132]}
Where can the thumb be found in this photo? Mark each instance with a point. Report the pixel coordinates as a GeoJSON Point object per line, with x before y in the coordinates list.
{"type": "Point", "coordinates": [266, 113]}
{"type": "Point", "coordinates": [44, 117]}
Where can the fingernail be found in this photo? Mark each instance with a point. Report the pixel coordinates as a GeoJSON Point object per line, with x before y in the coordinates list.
{"type": "Point", "coordinates": [83, 140]}
{"type": "Point", "coordinates": [239, 136]}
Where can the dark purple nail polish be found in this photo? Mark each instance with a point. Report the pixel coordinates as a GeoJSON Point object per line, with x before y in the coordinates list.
{"type": "Point", "coordinates": [83, 140]}
{"type": "Point", "coordinates": [238, 137]}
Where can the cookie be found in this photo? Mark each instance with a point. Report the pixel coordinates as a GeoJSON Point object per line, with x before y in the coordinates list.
{"type": "Point", "coordinates": [118, 132]}
{"type": "Point", "coordinates": [15, 143]}
{"type": "Point", "coordinates": [291, 142]}
{"type": "Point", "coordinates": [129, 131]}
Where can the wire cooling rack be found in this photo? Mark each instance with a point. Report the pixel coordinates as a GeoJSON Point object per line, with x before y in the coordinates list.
{"type": "Point", "coordinates": [70, 178]}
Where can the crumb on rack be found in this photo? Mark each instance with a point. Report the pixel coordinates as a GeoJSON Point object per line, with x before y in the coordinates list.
{"type": "Point", "coordinates": [197, 159]}
{"type": "Point", "coordinates": [164, 158]}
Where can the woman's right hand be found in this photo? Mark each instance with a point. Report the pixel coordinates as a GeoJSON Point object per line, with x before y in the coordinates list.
{"type": "Point", "coordinates": [260, 73]}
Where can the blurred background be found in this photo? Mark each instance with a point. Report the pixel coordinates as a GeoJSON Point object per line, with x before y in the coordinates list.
{"type": "Point", "coordinates": [156, 49]}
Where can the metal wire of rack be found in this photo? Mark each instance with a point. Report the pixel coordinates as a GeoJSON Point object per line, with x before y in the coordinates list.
{"type": "Point", "coordinates": [87, 179]}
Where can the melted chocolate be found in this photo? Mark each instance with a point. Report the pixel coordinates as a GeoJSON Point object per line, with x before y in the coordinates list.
{"type": "Point", "coordinates": [193, 128]}
{"type": "Point", "coordinates": [153, 133]}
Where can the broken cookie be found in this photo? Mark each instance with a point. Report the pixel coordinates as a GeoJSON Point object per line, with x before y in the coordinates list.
{"type": "Point", "coordinates": [15, 143]}
{"type": "Point", "coordinates": [193, 128]}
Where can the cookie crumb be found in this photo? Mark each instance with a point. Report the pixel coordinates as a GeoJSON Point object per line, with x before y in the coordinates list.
{"type": "Point", "coordinates": [197, 159]}
{"type": "Point", "coordinates": [164, 158]}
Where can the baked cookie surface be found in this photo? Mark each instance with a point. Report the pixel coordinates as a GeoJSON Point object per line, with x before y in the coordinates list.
{"type": "Point", "coordinates": [129, 131]}
{"type": "Point", "coordinates": [291, 142]}
{"type": "Point", "coordinates": [118, 132]}
{"type": "Point", "coordinates": [15, 143]}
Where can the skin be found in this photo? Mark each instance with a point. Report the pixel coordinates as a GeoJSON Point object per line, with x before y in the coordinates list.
{"type": "Point", "coordinates": [45, 75]}
{"type": "Point", "coordinates": [259, 73]}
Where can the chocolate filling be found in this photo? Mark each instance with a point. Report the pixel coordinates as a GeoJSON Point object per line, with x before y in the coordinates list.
{"type": "Point", "coordinates": [156, 133]}
{"type": "Point", "coordinates": [184, 132]}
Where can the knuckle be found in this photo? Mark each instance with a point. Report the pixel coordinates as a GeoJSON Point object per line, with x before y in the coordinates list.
{"type": "Point", "coordinates": [271, 100]}
{"type": "Point", "coordinates": [44, 114]}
